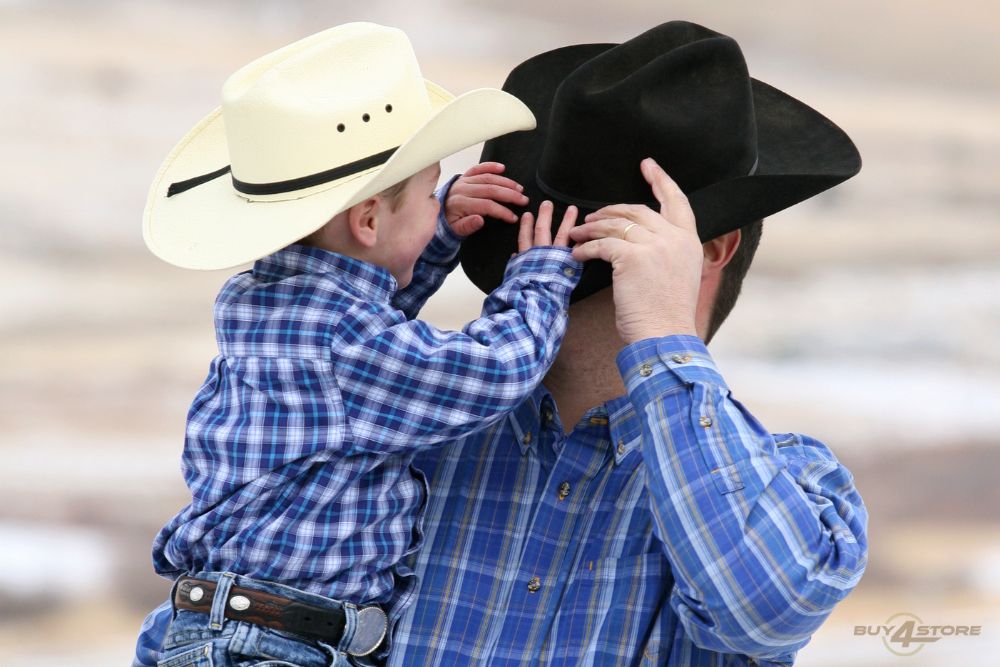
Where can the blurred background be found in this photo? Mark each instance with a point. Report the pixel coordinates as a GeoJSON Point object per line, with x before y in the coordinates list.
{"type": "Point", "coordinates": [869, 320]}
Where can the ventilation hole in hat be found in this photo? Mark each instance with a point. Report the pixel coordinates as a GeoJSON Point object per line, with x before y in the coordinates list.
{"type": "Point", "coordinates": [388, 108]}
{"type": "Point", "coordinates": [366, 118]}
{"type": "Point", "coordinates": [340, 127]}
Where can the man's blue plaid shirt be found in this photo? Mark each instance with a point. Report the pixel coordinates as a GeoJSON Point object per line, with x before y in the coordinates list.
{"type": "Point", "coordinates": [669, 527]}
{"type": "Point", "coordinates": [299, 443]}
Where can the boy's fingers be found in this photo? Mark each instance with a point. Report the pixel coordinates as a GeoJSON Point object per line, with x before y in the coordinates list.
{"type": "Point", "coordinates": [485, 207]}
{"type": "Point", "coordinates": [485, 168]}
{"type": "Point", "coordinates": [674, 204]}
{"type": "Point", "coordinates": [491, 179]}
{"type": "Point", "coordinates": [567, 224]}
{"type": "Point", "coordinates": [524, 232]}
{"type": "Point", "coordinates": [494, 192]}
{"type": "Point", "coordinates": [468, 225]}
{"type": "Point", "coordinates": [543, 226]}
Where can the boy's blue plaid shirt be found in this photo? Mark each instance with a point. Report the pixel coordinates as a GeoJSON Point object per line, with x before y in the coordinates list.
{"type": "Point", "coordinates": [299, 443]}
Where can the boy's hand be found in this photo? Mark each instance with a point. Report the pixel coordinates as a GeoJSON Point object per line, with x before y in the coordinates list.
{"type": "Point", "coordinates": [477, 193]}
{"type": "Point", "coordinates": [538, 233]}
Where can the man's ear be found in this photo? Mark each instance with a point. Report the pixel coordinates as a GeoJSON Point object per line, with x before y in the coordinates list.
{"type": "Point", "coordinates": [719, 251]}
{"type": "Point", "coordinates": [362, 220]}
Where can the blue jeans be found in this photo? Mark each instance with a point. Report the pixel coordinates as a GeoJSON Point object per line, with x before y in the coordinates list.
{"type": "Point", "coordinates": [197, 639]}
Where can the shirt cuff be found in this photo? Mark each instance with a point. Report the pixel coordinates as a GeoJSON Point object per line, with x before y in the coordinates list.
{"type": "Point", "coordinates": [552, 265]}
{"type": "Point", "coordinates": [656, 366]}
{"type": "Point", "coordinates": [445, 244]}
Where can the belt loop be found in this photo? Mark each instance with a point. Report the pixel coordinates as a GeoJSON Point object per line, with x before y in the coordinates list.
{"type": "Point", "coordinates": [350, 625]}
{"type": "Point", "coordinates": [173, 596]}
{"type": "Point", "coordinates": [219, 601]}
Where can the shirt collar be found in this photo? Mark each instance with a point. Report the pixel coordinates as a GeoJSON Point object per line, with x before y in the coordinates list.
{"type": "Point", "coordinates": [366, 280]}
{"type": "Point", "coordinates": [623, 423]}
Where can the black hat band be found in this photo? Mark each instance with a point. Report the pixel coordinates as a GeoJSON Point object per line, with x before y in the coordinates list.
{"type": "Point", "coordinates": [290, 185]}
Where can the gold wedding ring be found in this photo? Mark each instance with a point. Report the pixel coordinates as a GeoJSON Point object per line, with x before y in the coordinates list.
{"type": "Point", "coordinates": [628, 227]}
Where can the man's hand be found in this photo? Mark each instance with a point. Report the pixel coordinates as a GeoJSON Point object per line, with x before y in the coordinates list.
{"type": "Point", "coordinates": [656, 259]}
{"type": "Point", "coordinates": [477, 193]}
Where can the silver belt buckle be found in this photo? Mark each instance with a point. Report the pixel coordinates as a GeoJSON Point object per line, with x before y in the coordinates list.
{"type": "Point", "coordinates": [369, 631]}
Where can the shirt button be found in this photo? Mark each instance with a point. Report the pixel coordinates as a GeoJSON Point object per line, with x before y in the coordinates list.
{"type": "Point", "coordinates": [534, 584]}
{"type": "Point", "coordinates": [563, 490]}
{"type": "Point", "coordinates": [547, 414]}
{"type": "Point", "coordinates": [621, 446]}
{"type": "Point", "coordinates": [527, 438]}
{"type": "Point", "coordinates": [645, 370]}
{"type": "Point", "coordinates": [681, 358]}
{"type": "Point", "coordinates": [705, 421]}
{"type": "Point", "coordinates": [568, 272]}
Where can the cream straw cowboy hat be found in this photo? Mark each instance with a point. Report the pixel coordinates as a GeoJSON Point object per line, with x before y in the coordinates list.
{"type": "Point", "coordinates": [305, 133]}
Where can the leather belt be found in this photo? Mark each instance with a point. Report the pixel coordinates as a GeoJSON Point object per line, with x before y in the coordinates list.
{"type": "Point", "coordinates": [286, 614]}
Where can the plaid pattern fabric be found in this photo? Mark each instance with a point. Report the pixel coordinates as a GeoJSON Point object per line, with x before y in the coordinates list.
{"type": "Point", "coordinates": [669, 528]}
{"type": "Point", "coordinates": [299, 443]}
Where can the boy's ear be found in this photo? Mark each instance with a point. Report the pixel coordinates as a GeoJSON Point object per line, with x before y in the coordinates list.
{"type": "Point", "coordinates": [362, 220]}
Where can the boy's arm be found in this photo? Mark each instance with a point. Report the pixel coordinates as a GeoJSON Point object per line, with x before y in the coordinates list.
{"type": "Point", "coordinates": [463, 202]}
{"type": "Point", "coordinates": [764, 534]}
{"type": "Point", "coordinates": [411, 385]}
{"type": "Point", "coordinates": [438, 259]}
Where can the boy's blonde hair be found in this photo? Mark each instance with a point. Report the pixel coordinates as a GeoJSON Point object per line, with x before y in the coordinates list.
{"type": "Point", "coordinates": [394, 194]}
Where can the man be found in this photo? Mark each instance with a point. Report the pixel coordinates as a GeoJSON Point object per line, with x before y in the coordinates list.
{"type": "Point", "coordinates": [632, 511]}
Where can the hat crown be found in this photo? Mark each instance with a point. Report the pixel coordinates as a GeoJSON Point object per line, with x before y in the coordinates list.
{"type": "Point", "coordinates": [679, 93]}
{"type": "Point", "coordinates": [340, 96]}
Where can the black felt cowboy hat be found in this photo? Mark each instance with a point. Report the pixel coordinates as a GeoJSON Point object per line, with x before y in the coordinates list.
{"type": "Point", "coordinates": [680, 93]}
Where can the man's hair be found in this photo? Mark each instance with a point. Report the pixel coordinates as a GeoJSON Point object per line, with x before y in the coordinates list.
{"type": "Point", "coordinates": [732, 276]}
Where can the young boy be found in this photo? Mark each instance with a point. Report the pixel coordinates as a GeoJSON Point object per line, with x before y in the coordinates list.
{"type": "Point", "coordinates": [298, 445]}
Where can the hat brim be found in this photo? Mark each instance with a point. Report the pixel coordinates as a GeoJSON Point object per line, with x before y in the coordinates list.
{"type": "Point", "coordinates": [800, 154]}
{"type": "Point", "coordinates": [212, 227]}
